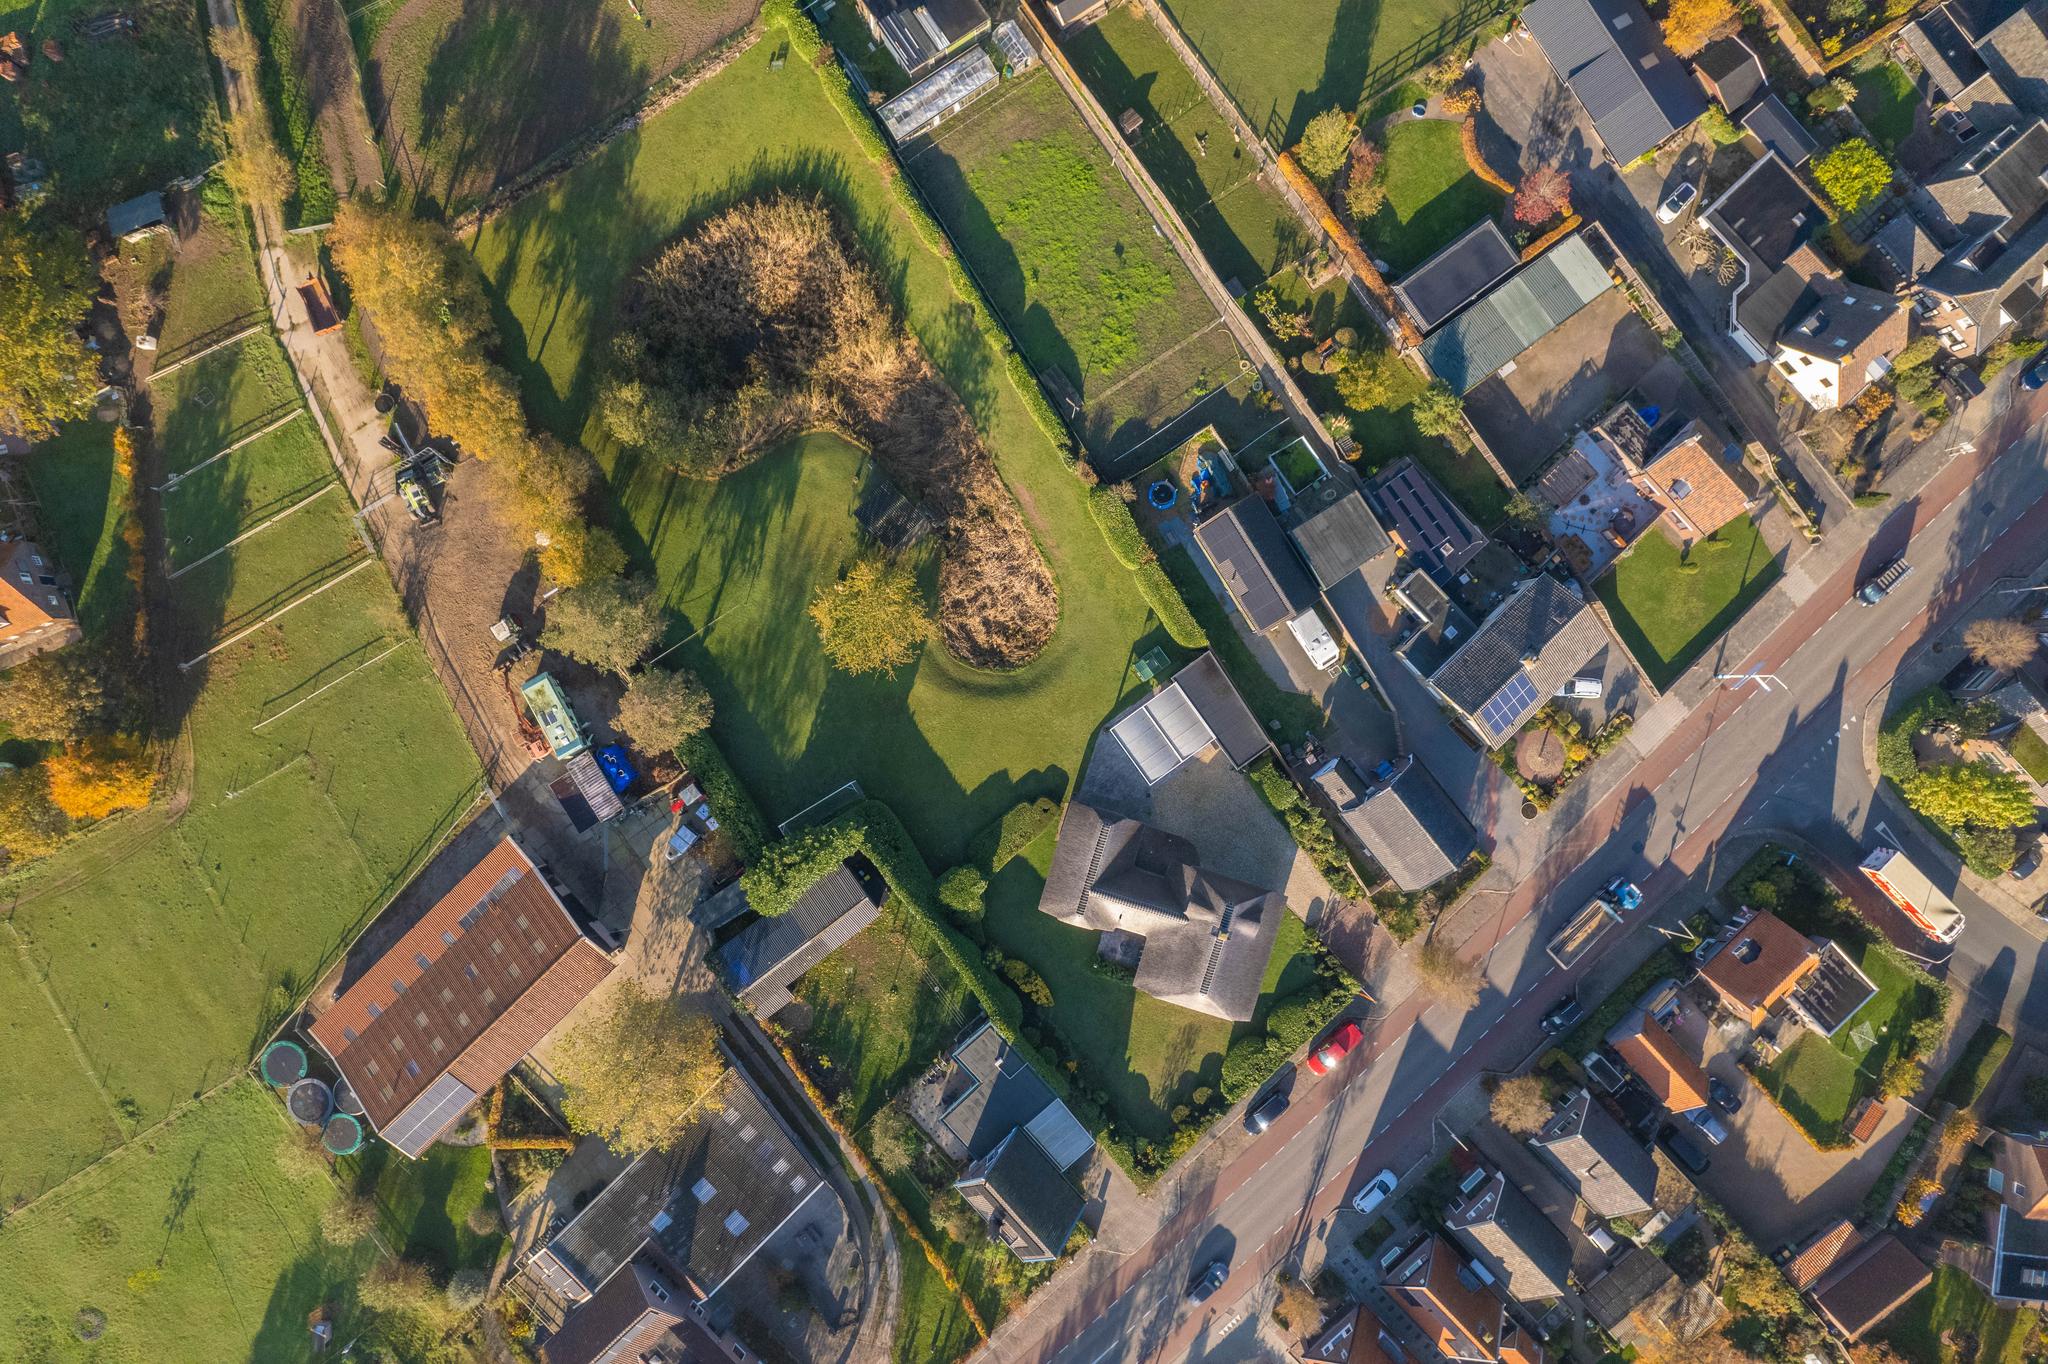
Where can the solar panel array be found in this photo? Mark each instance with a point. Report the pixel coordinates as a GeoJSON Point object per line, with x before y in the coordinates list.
{"type": "Point", "coordinates": [1163, 733]}
{"type": "Point", "coordinates": [415, 1129]}
{"type": "Point", "coordinates": [1515, 699]}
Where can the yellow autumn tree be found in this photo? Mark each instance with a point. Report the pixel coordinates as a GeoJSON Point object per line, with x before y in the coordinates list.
{"type": "Point", "coordinates": [1690, 25]}
{"type": "Point", "coordinates": [92, 781]}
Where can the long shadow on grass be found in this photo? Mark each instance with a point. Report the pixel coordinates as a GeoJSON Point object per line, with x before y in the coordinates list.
{"type": "Point", "coordinates": [322, 1276]}
{"type": "Point", "coordinates": [497, 96]}
{"type": "Point", "coordinates": [1353, 67]}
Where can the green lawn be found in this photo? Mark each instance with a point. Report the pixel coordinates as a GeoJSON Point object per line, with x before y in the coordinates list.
{"type": "Point", "coordinates": [116, 117]}
{"type": "Point", "coordinates": [881, 1008]}
{"type": "Point", "coordinates": [1073, 263]}
{"type": "Point", "coordinates": [1432, 195]}
{"type": "Point", "coordinates": [1886, 101]}
{"type": "Point", "coordinates": [258, 481]}
{"type": "Point", "coordinates": [219, 399]}
{"type": "Point", "coordinates": [931, 1325]}
{"type": "Point", "coordinates": [480, 90]}
{"type": "Point", "coordinates": [1285, 61]}
{"type": "Point", "coordinates": [1819, 1080]}
{"type": "Point", "coordinates": [1953, 1306]}
{"type": "Point", "coordinates": [424, 1205]}
{"type": "Point", "coordinates": [1243, 227]}
{"type": "Point", "coordinates": [214, 291]}
{"type": "Point", "coordinates": [1145, 1054]}
{"type": "Point", "coordinates": [201, 1246]}
{"type": "Point", "coordinates": [949, 747]}
{"type": "Point", "coordinates": [2030, 752]}
{"type": "Point", "coordinates": [1668, 613]}
{"type": "Point", "coordinates": [80, 497]}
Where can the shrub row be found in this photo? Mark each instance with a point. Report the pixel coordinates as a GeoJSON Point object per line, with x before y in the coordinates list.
{"type": "Point", "coordinates": [1011, 833]}
{"type": "Point", "coordinates": [1113, 515]}
{"type": "Point", "coordinates": [1311, 828]}
{"type": "Point", "coordinates": [1171, 607]}
{"type": "Point", "coordinates": [809, 44]}
{"type": "Point", "coordinates": [738, 816]}
{"type": "Point", "coordinates": [1291, 1025]}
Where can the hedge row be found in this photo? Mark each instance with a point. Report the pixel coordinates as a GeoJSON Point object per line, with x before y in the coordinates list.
{"type": "Point", "coordinates": [1292, 1025]}
{"type": "Point", "coordinates": [1119, 528]}
{"type": "Point", "coordinates": [1171, 607]}
{"type": "Point", "coordinates": [1311, 828]}
{"type": "Point", "coordinates": [737, 814]}
{"type": "Point", "coordinates": [1011, 833]}
{"type": "Point", "coordinates": [809, 44]}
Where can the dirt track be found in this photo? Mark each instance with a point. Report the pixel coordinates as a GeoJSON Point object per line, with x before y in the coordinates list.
{"type": "Point", "coordinates": [335, 94]}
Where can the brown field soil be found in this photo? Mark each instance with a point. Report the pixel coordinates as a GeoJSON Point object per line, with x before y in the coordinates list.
{"type": "Point", "coordinates": [467, 94]}
{"type": "Point", "coordinates": [334, 93]}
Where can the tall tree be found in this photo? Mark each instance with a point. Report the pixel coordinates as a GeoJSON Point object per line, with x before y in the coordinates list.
{"type": "Point", "coordinates": [1852, 173]}
{"type": "Point", "coordinates": [1445, 974]}
{"type": "Point", "coordinates": [57, 697]}
{"type": "Point", "coordinates": [92, 781]}
{"type": "Point", "coordinates": [1520, 1105]}
{"type": "Point", "coordinates": [256, 168]}
{"type": "Point", "coordinates": [663, 708]}
{"type": "Point", "coordinates": [2001, 642]}
{"type": "Point", "coordinates": [637, 1069]}
{"type": "Point", "coordinates": [1967, 793]}
{"type": "Point", "coordinates": [1325, 142]}
{"type": "Point", "coordinates": [1438, 410]}
{"type": "Point", "coordinates": [1690, 25]}
{"type": "Point", "coordinates": [873, 619]}
{"type": "Point", "coordinates": [610, 623]}
{"type": "Point", "coordinates": [46, 373]}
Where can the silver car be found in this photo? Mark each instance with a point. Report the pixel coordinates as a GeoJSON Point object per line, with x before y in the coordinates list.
{"type": "Point", "coordinates": [1710, 1126]}
{"type": "Point", "coordinates": [1675, 203]}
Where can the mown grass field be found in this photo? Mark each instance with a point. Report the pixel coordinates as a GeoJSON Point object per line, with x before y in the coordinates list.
{"type": "Point", "coordinates": [426, 1204]}
{"type": "Point", "coordinates": [1668, 609]}
{"type": "Point", "coordinates": [262, 479]}
{"type": "Point", "coordinates": [1818, 1080]}
{"type": "Point", "coordinates": [1887, 101]}
{"type": "Point", "coordinates": [1285, 61]}
{"type": "Point", "coordinates": [1242, 226]}
{"type": "Point", "coordinates": [202, 1246]}
{"type": "Point", "coordinates": [1072, 262]}
{"type": "Point", "coordinates": [476, 91]}
{"type": "Point", "coordinates": [1147, 1055]}
{"type": "Point", "coordinates": [948, 746]}
{"type": "Point", "coordinates": [161, 947]}
{"type": "Point", "coordinates": [1951, 1308]}
{"type": "Point", "coordinates": [117, 116]}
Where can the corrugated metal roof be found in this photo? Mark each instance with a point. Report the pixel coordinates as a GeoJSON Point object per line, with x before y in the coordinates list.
{"type": "Point", "coordinates": [1515, 316]}
{"type": "Point", "coordinates": [1611, 54]}
{"type": "Point", "coordinates": [1162, 733]}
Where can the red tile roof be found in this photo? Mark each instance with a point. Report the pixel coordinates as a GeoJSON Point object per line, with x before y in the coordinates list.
{"type": "Point", "coordinates": [1675, 1078]}
{"type": "Point", "coordinates": [1818, 1255]}
{"type": "Point", "coordinates": [467, 999]}
{"type": "Point", "coordinates": [1759, 965]}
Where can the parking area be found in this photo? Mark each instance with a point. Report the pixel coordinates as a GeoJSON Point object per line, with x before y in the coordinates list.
{"type": "Point", "coordinates": [1527, 413]}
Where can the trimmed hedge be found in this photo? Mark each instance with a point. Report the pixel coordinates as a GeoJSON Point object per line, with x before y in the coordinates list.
{"type": "Point", "coordinates": [738, 816]}
{"type": "Point", "coordinates": [1972, 1071]}
{"type": "Point", "coordinates": [1171, 607]}
{"type": "Point", "coordinates": [1291, 1025]}
{"type": "Point", "coordinates": [1119, 528]}
{"type": "Point", "coordinates": [1311, 828]}
{"type": "Point", "coordinates": [1011, 833]}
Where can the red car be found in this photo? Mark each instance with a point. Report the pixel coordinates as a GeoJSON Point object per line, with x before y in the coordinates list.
{"type": "Point", "coordinates": [1340, 1042]}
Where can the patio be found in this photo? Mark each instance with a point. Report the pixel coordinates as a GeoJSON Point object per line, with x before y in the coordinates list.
{"type": "Point", "coordinates": [1593, 525]}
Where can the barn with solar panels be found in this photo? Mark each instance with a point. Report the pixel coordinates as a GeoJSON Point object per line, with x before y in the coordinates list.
{"type": "Point", "coordinates": [484, 974]}
{"type": "Point", "coordinates": [1533, 644]}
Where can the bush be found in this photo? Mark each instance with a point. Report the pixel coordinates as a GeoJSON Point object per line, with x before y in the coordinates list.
{"type": "Point", "coordinates": [347, 1220]}
{"type": "Point", "coordinates": [1172, 609]}
{"type": "Point", "coordinates": [1310, 828]}
{"type": "Point", "coordinates": [1119, 528]}
{"type": "Point", "coordinates": [466, 1290]}
{"type": "Point", "coordinates": [2008, 352]}
{"type": "Point", "coordinates": [1325, 143]}
{"type": "Point", "coordinates": [961, 890]}
{"type": "Point", "coordinates": [1017, 829]}
{"type": "Point", "coordinates": [739, 819]}
{"type": "Point", "coordinates": [1029, 983]}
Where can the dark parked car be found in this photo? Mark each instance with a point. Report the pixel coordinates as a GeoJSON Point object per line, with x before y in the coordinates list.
{"type": "Point", "coordinates": [1684, 1150]}
{"type": "Point", "coordinates": [1266, 1112]}
{"type": "Point", "coordinates": [1563, 1014]}
{"type": "Point", "coordinates": [1204, 1288]}
{"type": "Point", "coordinates": [1725, 1096]}
{"type": "Point", "coordinates": [2036, 375]}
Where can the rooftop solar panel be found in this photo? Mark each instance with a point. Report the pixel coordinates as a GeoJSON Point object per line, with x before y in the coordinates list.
{"type": "Point", "coordinates": [1505, 710]}
{"type": "Point", "coordinates": [415, 1129]}
{"type": "Point", "coordinates": [1163, 733]}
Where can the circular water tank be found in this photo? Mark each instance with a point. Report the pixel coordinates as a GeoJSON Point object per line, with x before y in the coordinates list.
{"type": "Point", "coordinates": [284, 1063]}
{"type": "Point", "coordinates": [345, 1100]}
{"type": "Point", "coordinates": [343, 1135]}
{"type": "Point", "coordinates": [310, 1101]}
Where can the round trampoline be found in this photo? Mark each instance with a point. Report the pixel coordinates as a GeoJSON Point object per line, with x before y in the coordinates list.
{"type": "Point", "coordinates": [344, 1135]}
{"type": "Point", "coordinates": [1162, 494]}
{"type": "Point", "coordinates": [310, 1101]}
{"type": "Point", "coordinates": [345, 1100]}
{"type": "Point", "coordinates": [284, 1063]}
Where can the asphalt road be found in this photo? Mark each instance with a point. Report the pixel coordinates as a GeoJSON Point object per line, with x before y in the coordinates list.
{"type": "Point", "coordinates": [1746, 762]}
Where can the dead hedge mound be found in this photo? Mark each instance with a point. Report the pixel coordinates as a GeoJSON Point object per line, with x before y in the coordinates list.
{"type": "Point", "coordinates": [766, 322]}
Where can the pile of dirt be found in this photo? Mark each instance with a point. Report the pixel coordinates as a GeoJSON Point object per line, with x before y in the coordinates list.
{"type": "Point", "coordinates": [765, 322]}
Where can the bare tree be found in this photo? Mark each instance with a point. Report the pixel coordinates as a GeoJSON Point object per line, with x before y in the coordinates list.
{"type": "Point", "coordinates": [1521, 1105]}
{"type": "Point", "coordinates": [2001, 642]}
{"type": "Point", "coordinates": [1445, 974]}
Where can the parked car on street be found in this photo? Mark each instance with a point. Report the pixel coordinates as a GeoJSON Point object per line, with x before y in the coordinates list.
{"type": "Point", "coordinates": [1676, 201]}
{"type": "Point", "coordinates": [1205, 1286]}
{"type": "Point", "coordinates": [1879, 587]}
{"type": "Point", "coordinates": [1334, 1048]}
{"type": "Point", "coordinates": [1710, 1126]}
{"type": "Point", "coordinates": [1375, 1193]}
{"type": "Point", "coordinates": [1563, 1014]}
{"type": "Point", "coordinates": [1265, 1113]}
{"type": "Point", "coordinates": [1725, 1096]}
